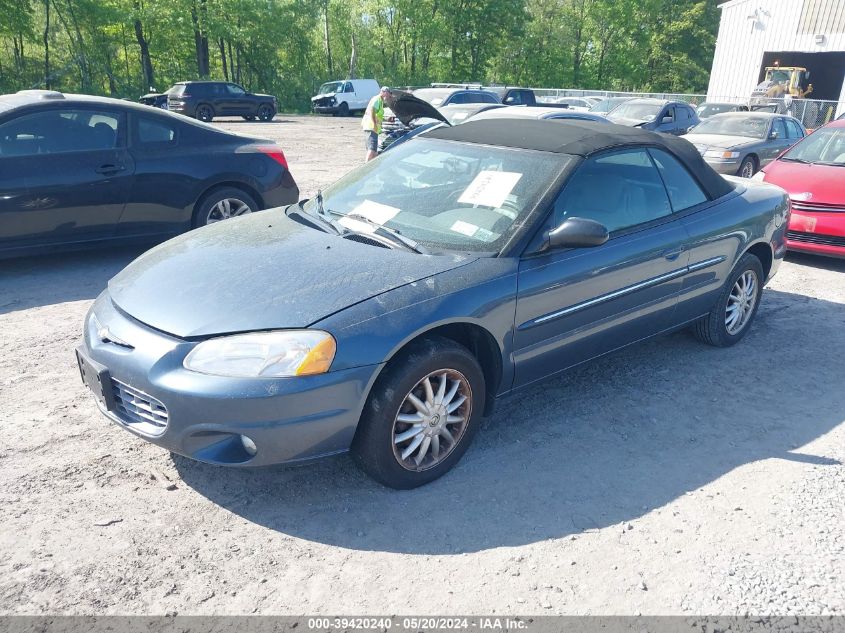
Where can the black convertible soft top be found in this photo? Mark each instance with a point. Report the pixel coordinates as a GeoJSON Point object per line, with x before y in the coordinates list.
{"type": "Point", "coordinates": [582, 138]}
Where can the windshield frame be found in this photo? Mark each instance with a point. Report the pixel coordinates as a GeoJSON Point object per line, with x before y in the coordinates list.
{"type": "Point", "coordinates": [514, 238]}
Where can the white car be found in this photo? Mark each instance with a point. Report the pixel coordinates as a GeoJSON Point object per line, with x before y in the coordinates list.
{"type": "Point", "coordinates": [575, 103]}
{"type": "Point", "coordinates": [342, 98]}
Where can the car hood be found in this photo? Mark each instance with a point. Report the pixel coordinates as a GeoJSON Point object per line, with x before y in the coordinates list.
{"type": "Point", "coordinates": [720, 141]}
{"type": "Point", "coordinates": [821, 182]}
{"type": "Point", "coordinates": [261, 272]}
{"type": "Point", "coordinates": [407, 107]}
{"type": "Point", "coordinates": [323, 96]}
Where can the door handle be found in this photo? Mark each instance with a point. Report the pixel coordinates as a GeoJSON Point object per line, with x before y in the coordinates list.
{"type": "Point", "coordinates": [673, 253]}
{"type": "Point", "coordinates": [109, 169]}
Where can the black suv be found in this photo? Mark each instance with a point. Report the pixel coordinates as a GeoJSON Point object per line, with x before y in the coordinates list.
{"type": "Point", "coordinates": [205, 100]}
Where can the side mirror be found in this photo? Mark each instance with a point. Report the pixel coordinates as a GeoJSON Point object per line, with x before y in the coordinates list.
{"type": "Point", "coordinates": [576, 233]}
{"type": "Point", "coordinates": [773, 135]}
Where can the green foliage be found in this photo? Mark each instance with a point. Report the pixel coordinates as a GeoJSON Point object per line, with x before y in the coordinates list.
{"type": "Point", "coordinates": [280, 46]}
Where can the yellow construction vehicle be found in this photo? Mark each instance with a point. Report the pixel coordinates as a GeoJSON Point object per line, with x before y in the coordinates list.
{"type": "Point", "coordinates": [780, 85]}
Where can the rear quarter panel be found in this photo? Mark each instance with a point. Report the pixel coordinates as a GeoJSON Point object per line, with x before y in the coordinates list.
{"type": "Point", "coordinates": [753, 217]}
{"type": "Point", "coordinates": [170, 179]}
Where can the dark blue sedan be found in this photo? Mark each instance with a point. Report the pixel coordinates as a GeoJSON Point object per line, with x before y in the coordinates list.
{"type": "Point", "coordinates": [390, 313]}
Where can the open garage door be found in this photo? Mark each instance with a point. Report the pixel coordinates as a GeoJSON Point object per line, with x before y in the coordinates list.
{"type": "Point", "coordinates": [827, 70]}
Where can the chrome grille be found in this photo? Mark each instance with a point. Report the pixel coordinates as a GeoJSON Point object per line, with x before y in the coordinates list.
{"type": "Point", "coordinates": [139, 409]}
{"type": "Point", "coordinates": [810, 207]}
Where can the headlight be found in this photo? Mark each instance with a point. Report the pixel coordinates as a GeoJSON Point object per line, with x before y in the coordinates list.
{"type": "Point", "coordinates": [264, 354]}
{"type": "Point", "coordinates": [720, 153]}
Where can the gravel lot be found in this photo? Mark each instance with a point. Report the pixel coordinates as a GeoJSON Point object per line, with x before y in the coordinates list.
{"type": "Point", "coordinates": [670, 478]}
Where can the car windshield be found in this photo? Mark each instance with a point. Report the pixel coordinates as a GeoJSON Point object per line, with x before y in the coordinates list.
{"type": "Point", "coordinates": [709, 109]}
{"type": "Point", "coordinates": [750, 126]}
{"type": "Point", "coordinates": [825, 146]}
{"type": "Point", "coordinates": [637, 111]}
{"type": "Point", "coordinates": [435, 96]}
{"type": "Point", "coordinates": [606, 105]}
{"type": "Point", "coordinates": [444, 195]}
{"type": "Point", "coordinates": [329, 86]}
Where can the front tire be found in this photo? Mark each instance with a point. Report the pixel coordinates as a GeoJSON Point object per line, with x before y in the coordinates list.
{"type": "Point", "coordinates": [343, 109]}
{"type": "Point", "coordinates": [205, 113]}
{"type": "Point", "coordinates": [747, 168]}
{"type": "Point", "coordinates": [266, 112]}
{"type": "Point", "coordinates": [222, 204]}
{"type": "Point", "coordinates": [736, 306]}
{"type": "Point", "coordinates": [421, 415]}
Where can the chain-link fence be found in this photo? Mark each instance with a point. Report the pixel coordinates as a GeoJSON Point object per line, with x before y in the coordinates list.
{"type": "Point", "coordinates": [812, 113]}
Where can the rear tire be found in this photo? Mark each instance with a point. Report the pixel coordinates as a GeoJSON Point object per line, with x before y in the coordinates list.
{"type": "Point", "coordinates": [266, 112]}
{"type": "Point", "coordinates": [406, 454]}
{"type": "Point", "coordinates": [736, 307]}
{"type": "Point", "coordinates": [205, 113]}
{"type": "Point", "coordinates": [222, 204]}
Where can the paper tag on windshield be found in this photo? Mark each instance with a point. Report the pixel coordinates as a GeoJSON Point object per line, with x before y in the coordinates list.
{"type": "Point", "coordinates": [490, 188]}
{"type": "Point", "coordinates": [375, 211]}
{"type": "Point", "coordinates": [464, 228]}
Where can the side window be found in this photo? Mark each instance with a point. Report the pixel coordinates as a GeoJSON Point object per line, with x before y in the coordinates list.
{"type": "Point", "coordinates": [155, 131]}
{"type": "Point", "coordinates": [778, 128]}
{"type": "Point", "coordinates": [793, 130]}
{"type": "Point", "coordinates": [458, 97]}
{"type": "Point", "coordinates": [349, 87]}
{"type": "Point", "coordinates": [486, 98]}
{"type": "Point", "coordinates": [684, 191]}
{"type": "Point", "coordinates": [669, 112]}
{"type": "Point", "coordinates": [236, 91]}
{"type": "Point", "coordinates": [619, 190]}
{"type": "Point", "coordinates": [57, 131]}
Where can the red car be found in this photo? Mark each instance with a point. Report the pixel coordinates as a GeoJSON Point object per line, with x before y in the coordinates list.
{"type": "Point", "coordinates": [813, 173]}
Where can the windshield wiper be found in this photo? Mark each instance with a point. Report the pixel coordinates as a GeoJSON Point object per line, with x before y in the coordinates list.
{"type": "Point", "coordinates": [380, 229]}
{"type": "Point", "coordinates": [829, 163]}
{"type": "Point", "coordinates": [325, 221]}
{"type": "Point", "coordinates": [795, 160]}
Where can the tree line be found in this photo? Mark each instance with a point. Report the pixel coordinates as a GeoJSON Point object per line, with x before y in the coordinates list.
{"type": "Point", "coordinates": [287, 48]}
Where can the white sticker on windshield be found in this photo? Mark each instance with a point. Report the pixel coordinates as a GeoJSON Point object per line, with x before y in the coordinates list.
{"type": "Point", "coordinates": [490, 188]}
{"type": "Point", "coordinates": [375, 211]}
{"type": "Point", "coordinates": [464, 228]}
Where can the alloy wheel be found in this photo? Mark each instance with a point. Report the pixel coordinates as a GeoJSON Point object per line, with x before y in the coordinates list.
{"type": "Point", "coordinates": [204, 113]}
{"type": "Point", "coordinates": [227, 208]}
{"type": "Point", "coordinates": [741, 302]}
{"type": "Point", "coordinates": [747, 169]}
{"type": "Point", "coordinates": [432, 420]}
{"type": "Point", "coordinates": [265, 113]}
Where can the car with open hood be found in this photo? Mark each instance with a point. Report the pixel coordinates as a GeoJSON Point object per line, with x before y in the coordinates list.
{"type": "Point", "coordinates": [391, 312]}
{"type": "Point", "coordinates": [739, 143]}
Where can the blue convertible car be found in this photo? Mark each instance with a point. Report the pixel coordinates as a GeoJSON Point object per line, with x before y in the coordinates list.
{"type": "Point", "coordinates": [388, 314]}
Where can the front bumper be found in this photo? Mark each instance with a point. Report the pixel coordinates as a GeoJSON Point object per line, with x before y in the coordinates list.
{"type": "Point", "coordinates": [817, 233]}
{"type": "Point", "coordinates": [729, 167]}
{"type": "Point", "coordinates": [288, 419]}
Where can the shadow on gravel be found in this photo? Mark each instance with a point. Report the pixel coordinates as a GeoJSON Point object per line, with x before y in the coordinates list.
{"type": "Point", "coordinates": [817, 261]}
{"type": "Point", "coordinates": [41, 280]}
{"type": "Point", "coordinates": [605, 443]}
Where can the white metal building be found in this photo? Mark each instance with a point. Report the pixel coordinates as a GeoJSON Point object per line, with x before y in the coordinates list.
{"type": "Point", "coordinates": [754, 34]}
